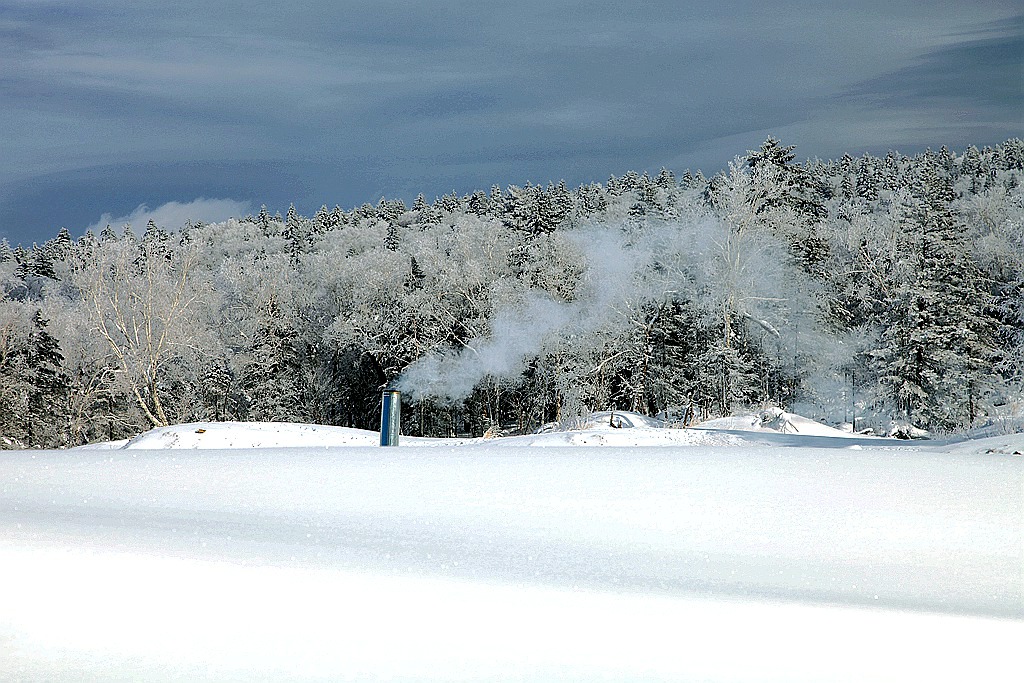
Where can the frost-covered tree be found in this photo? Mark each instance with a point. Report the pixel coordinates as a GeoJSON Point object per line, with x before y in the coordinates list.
{"type": "Point", "coordinates": [32, 382]}
{"type": "Point", "coordinates": [144, 304]}
{"type": "Point", "coordinates": [871, 287]}
{"type": "Point", "coordinates": [936, 349]}
{"type": "Point", "coordinates": [751, 289]}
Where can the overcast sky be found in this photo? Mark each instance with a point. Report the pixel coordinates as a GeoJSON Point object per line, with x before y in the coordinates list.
{"type": "Point", "coordinates": [116, 110]}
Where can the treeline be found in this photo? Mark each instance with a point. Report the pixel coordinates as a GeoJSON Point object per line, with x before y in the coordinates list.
{"type": "Point", "coordinates": [878, 291]}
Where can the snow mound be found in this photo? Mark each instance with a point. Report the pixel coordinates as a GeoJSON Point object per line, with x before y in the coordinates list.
{"type": "Point", "coordinates": [618, 429]}
{"type": "Point", "coordinates": [1007, 444]}
{"type": "Point", "coordinates": [778, 421]}
{"type": "Point", "coordinates": [203, 435]}
{"type": "Point", "coordinates": [605, 420]}
{"type": "Point", "coordinates": [606, 428]}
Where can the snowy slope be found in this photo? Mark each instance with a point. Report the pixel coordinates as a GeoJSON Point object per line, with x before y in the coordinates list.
{"type": "Point", "coordinates": [251, 435]}
{"type": "Point", "coordinates": [776, 421]}
{"type": "Point", "coordinates": [630, 430]}
{"type": "Point", "coordinates": [619, 428]}
{"type": "Point", "coordinates": [1006, 444]}
{"type": "Point", "coordinates": [496, 560]}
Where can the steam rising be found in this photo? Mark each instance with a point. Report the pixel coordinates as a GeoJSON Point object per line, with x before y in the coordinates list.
{"type": "Point", "coordinates": [515, 335]}
{"type": "Point", "coordinates": [519, 331]}
{"type": "Point", "coordinates": [696, 259]}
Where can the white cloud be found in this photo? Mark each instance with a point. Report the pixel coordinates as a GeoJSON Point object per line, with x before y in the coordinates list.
{"type": "Point", "coordinates": [174, 215]}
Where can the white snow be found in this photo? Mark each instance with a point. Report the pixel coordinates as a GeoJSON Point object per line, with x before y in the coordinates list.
{"type": "Point", "coordinates": [775, 420]}
{"type": "Point", "coordinates": [296, 552]}
{"type": "Point", "coordinates": [1006, 444]}
{"type": "Point", "coordinates": [251, 435]}
{"type": "Point", "coordinates": [630, 429]}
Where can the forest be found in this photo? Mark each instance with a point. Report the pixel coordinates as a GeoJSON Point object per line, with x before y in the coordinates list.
{"type": "Point", "coordinates": [880, 292]}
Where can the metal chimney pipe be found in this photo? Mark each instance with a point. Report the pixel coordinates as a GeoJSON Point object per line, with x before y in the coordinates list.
{"type": "Point", "coordinates": [390, 417]}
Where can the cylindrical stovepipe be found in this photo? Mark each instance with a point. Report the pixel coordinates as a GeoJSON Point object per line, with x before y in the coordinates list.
{"type": "Point", "coordinates": [390, 417]}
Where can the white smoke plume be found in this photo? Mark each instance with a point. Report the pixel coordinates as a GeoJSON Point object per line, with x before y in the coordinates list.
{"type": "Point", "coordinates": [515, 334]}
{"type": "Point", "coordinates": [519, 331]}
{"type": "Point", "coordinates": [695, 259]}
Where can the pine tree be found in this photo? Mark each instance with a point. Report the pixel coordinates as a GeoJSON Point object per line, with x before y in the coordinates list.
{"type": "Point", "coordinates": [590, 200]}
{"type": "Point", "coordinates": [294, 234]}
{"type": "Point", "coordinates": [648, 195]}
{"type": "Point", "coordinates": [478, 203]}
{"type": "Point", "coordinates": [936, 354]}
{"type": "Point", "coordinates": [449, 203]}
{"type": "Point", "coordinates": [33, 385]}
{"type": "Point", "coordinates": [272, 377]}
{"type": "Point", "coordinates": [216, 383]}
{"type": "Point", "coordinates": [666, 180]}
{"type": "Point", "coordinates": [263, 221]}
{"type": "Point", "coordinates": [561, 203]}
{"type": "Point", "coordinates": [61, 246]}
{"type": "Point", "coordinates": [426, 214]}
{"type": "Point", "coordinates": [536, 211]}
{"type": "Point", "coordinates": [392, 240]}
{"type": "Point", "coordinates": [49, 385]}
{"type": "Point", "coordinates": [324, 221]}
{"type": "Point", "coordinates": [419, 205]}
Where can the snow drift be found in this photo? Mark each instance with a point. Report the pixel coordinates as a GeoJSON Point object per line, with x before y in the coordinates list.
{"type": "Point", "coordinates": [496, 560]}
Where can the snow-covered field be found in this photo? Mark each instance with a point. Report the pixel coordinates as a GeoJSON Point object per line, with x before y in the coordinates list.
{"type": "Point", "coordinates": [284, 552]}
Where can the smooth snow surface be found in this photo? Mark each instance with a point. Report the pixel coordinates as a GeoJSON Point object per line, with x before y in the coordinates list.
{"type": "Point", "coordinates": [252, 435]}
{"type": "Point", "coordinates": [485, 560]}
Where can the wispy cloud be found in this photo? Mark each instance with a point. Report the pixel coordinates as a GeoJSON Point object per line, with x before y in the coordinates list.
{"type": "Point", "coordinates": [174, 215]}
{"type": "Point", "coordinates": [981, 68]}
{"type": "Point", "coordinates": [341, 102]}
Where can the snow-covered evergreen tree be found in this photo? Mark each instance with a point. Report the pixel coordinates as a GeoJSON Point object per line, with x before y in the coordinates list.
{"type": "Point", "coordinates": [881, 287]}
{"type": "Point", "coordinates": [936, 349]}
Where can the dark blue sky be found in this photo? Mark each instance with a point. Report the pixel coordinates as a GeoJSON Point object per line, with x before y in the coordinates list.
{"type": "Point", "coordinates": [106, 107]}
